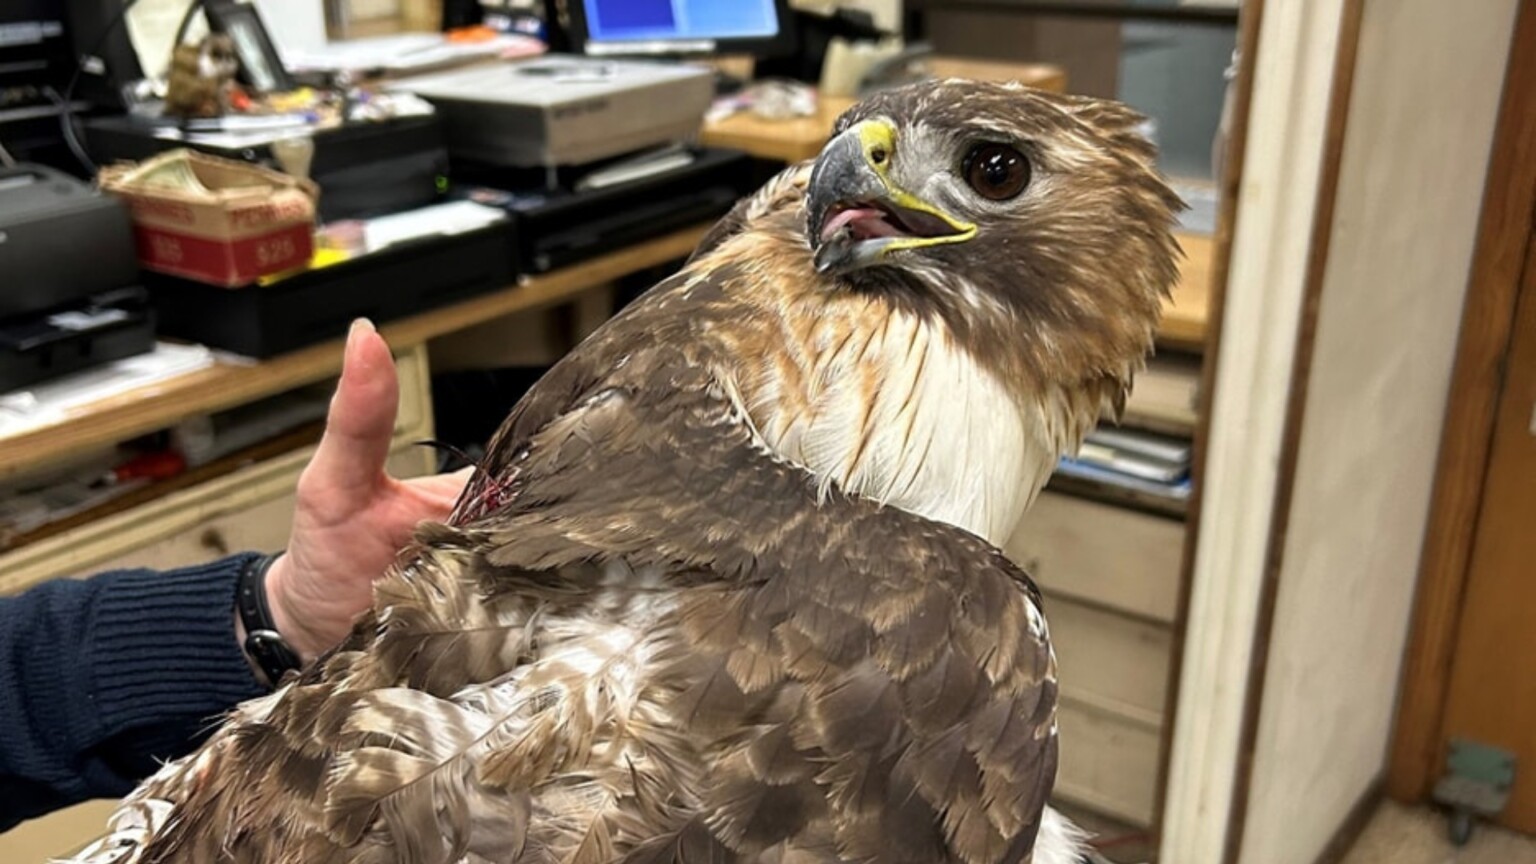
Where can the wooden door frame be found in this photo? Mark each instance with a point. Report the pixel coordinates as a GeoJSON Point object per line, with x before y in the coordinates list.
{"type": "Point", "coordinates": [1505, 230]}
{"type": "Point", "coordinates": [1261, 289]}
{"type": "Point", "coordinates": [1249, 22]}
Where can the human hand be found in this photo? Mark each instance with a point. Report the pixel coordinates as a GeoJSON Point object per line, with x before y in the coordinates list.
{"type": "Point", "coordinates": [351, 519]}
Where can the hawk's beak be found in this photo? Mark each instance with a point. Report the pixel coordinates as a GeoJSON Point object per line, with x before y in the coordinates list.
{"type": "Point", "coordinates": [858, 214]}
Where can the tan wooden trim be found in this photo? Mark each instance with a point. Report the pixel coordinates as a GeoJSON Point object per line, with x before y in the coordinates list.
{"type": "Point", "coordinates": [225, 385]}
{"type": "Point", "coordinates": [1301, 371]}
{"type": "Point", "coordinates": [1134, 715]}
{"type": "Point", "coordinates": [1219, 262]}
{"type": "Point", "coordinates": [1505, 230]}
{"type": "Point", "coordinates": [425, 15]}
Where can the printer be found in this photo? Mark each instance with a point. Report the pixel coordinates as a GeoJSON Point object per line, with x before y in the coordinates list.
{"type": "Point", "coordinates": [564, 110]}
{"type": "Point", "coordinates": [70, 297]}
{"type": "Point", "coordinates": [584, 153]}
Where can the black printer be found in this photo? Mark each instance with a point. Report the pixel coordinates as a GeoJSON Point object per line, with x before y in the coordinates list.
{"type": "Point", "coordinates": [70, 292]}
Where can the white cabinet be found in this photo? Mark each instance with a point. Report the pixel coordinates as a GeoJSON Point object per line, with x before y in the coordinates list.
{"type": "Point", "coordinates": [1102, 554]}
{"type": "Point", "coordinates": [1110, 578]}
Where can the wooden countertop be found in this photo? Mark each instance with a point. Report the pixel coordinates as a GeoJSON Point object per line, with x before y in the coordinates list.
{"type": "Point", "coordinates": [802, 137]}
{"type": "Point", "coordinates": [225, 385]}
{"type": "Point", "coordinates": [1184, 315]}
{"type": "Point", "coordinates": [779, 140]}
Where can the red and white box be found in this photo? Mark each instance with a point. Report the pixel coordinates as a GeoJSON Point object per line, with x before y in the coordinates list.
{"type": "Point", "coordinates": [215, 220]}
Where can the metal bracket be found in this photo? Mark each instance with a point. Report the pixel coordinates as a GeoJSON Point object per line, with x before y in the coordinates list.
{"type": "Point", "coordinates": [1477, 783]}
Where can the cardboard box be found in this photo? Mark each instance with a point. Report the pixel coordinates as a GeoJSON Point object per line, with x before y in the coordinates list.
{"type": "Point", "coordinates": [215, 220]}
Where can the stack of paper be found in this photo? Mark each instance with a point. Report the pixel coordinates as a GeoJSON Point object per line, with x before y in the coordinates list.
{"type": "Point", "coordinates": [1145, 459]}
{"type": "Point", "coordinates": [53, 402]}
{"type": "Point", "coordinates": [1134, 461]}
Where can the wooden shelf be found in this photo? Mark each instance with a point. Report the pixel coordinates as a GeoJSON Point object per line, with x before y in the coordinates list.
{"type": "Point", "coordinates": [305, 435]}
{"type": "Point", "coordinates": [225, 385]}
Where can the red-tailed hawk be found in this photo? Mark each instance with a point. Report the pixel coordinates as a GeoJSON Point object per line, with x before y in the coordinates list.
{"type": "Point", "coordinates": [727, 588]}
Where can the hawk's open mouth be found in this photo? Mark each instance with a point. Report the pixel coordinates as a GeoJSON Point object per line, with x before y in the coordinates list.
{"type": "Point", "coordinates": [870, 220]}
{"type": "Point", "coordinates": [856, 215]}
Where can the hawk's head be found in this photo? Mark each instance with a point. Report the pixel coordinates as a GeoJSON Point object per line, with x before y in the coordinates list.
{"type": "Point", "coordinates": [1006, 210]}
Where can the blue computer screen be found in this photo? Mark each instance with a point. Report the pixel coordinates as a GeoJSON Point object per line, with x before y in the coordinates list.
{"type": "Point", "coordinates": [656, 20]}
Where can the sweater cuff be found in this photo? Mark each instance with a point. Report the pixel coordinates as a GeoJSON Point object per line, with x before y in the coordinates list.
{"type": "Point", "coordinates": [162, 647]}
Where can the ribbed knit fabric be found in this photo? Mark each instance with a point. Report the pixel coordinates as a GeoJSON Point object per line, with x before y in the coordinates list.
{"type": "Point", "coordinates": [101, 679]}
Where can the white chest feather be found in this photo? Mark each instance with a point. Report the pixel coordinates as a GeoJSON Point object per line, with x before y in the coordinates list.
{"type": "Point", "coordinates": [903, 416]}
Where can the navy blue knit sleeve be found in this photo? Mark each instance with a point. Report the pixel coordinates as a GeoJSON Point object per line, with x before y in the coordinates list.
{"type": "Point", "coordinates": [103, 678]}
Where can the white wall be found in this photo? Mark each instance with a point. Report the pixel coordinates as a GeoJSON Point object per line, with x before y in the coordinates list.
{"type": "Point", "coordinates": [1421, 120]}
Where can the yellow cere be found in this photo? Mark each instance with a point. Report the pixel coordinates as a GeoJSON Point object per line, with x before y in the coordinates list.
{"type": "Point", "coordinates": [880, 135]}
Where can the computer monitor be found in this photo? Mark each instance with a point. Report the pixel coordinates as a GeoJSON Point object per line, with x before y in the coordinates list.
{"type": "Point", "coordinates": [681, 27]}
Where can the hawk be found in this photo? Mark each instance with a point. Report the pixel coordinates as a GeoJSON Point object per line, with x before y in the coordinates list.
{"type": "Point", "coordinates": [728, 587]}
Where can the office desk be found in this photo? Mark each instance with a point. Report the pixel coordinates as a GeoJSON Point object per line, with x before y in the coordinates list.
{"type": "Point", "coordinates": [802, 137]}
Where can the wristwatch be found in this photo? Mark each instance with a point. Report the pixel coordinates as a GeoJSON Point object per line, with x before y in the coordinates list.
{"type": "Point", "coordinates": [262, 641]}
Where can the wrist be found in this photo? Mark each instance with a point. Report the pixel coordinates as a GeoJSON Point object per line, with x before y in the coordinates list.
{"type": "Point", "coordinates": [282, 599]}
{"type": "Point", "coordinates": [259, 630]}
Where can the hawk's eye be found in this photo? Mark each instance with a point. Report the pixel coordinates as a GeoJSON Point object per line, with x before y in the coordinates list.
{"type": "Point", "coordinates": [996, 171]}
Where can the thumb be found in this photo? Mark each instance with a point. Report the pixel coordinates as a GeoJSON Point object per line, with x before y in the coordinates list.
{"type": "Point", "coordinates": [361, 419]}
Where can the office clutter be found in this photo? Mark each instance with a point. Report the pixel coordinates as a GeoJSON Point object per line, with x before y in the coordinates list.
{"type": "Point", "coordinates": [609, 205]}
{"type": "Point", "coordinates": [38, 501]}
{"type": "Point", "coordinates": [233, 260]}
{"type": "Point", "coordinates": [410, 53]}
{"type": "Point", "coordinates": [389, 160]}
{"type": "Point", "coordinates": [385, 269]}
{"type": "Point", "coordinates": [433, 170]}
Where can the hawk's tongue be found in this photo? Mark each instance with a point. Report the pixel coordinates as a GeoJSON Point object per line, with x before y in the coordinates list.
{"type": "Point", "coordinates": [865, 222]}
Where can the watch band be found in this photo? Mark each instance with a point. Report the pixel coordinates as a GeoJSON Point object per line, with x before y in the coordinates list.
{"type": "Point", "coordinates": [262, 641]}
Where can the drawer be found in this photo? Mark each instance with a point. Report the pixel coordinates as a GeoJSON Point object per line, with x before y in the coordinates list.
{"type": "Point", "coordinates": [1108, 761]}
{"type": "Point", "coordinates": [1111, 658]}
{"type": "Point", "coordinates": [1100, 553]}
{"type": "Point", "coordinates": [261, 526]}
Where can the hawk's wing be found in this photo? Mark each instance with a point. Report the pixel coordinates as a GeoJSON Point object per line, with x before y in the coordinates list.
{"type": "Point", "coordinates": [902, 662]}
